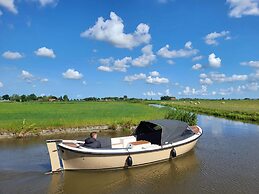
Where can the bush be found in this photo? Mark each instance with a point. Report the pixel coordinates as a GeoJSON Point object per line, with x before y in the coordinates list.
{"type": "Point", "coordinates": [188, 117]}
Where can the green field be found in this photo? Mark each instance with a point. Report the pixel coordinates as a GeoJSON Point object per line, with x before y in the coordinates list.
{"type": "Point", "coordinates": [243, 110]}
{"type": "Point", "coordinates": [17, 117]}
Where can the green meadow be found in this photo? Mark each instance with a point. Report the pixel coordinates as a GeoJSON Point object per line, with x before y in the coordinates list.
{"type": "Point", "coordinates": [243, 110]}
{"type": "Point", "coordinates": [30, 116]}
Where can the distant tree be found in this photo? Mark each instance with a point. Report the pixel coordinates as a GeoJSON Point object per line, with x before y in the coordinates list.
{"type": "Point", "coordinates": [167, 97]}
{"type": "Point", "coordinates": [32, 97]}
{"type": "Point", "coordinates": [60, 98]}
{"type": "Point", "coordinates": [23, 98]}
{"type": "Point", "coordinates": [6, 97]}
{"type": "Point", "coordinates": [125, 97]}
{"type": "Point", "coordinates": [65, 98]}
{"type": "Point", "coordinates": [15, 97]}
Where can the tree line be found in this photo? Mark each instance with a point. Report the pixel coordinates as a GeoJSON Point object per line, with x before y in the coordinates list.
{"type": "Point", "coordinates": [32, 97]}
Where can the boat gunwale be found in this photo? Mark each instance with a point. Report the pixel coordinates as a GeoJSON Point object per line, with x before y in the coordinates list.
{"type": "Point", "coordinates": [129, 151]}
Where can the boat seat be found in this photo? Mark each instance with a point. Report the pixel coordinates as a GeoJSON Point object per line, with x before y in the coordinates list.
{"type": "Point", "coordinates": [122, 142]}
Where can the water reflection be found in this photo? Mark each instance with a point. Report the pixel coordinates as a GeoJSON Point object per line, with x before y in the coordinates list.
{"type": "Point", "coordinates": [126, 181]}
{"type": "Point", "coordinates": [225, 160]}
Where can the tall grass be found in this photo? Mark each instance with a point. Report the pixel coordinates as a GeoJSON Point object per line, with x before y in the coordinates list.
{"type": "Point", "coordinates": [243, 110]}
{"type": "Point", "coordinates": [33, 116]}
{"type": "Point", "coordinates": [188, 117]}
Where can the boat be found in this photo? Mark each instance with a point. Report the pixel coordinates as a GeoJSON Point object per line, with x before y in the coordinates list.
{"type": "Point", "coordinates": [151, 142]}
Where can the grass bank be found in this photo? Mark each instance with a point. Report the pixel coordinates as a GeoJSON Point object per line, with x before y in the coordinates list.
{"type": "Point", "coordinates": [35, 116]}
{"type": "Point", "coordinates": [242, 110]}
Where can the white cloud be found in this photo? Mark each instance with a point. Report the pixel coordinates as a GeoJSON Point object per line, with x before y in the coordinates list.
{"type": "Point", "coordinates": [44, 80]}
{"type": "Point", "coordinates": [197, 66]}
{"type": "Point", "coordinates": [188, 91]}
{"type": "Point", "coordinates": [214, 61]}
{"type": "Point", "coordinates": [206, 81]}
{"type": "Point", "coordinates": [167, 92]}
{"type": "Point", "coordinates": [12, 55]}
{"type": "Point", "coordinates": [226, 91]}
{"type": "Point", "coordinates": [221, 77]}
{"type": "Point", "coordinates": [171, 62]}
{"type": "Point", "coordinates": [251, 64]}
{"type": "Point", "coordinates": [45, 52]}
{"type": "Point", "coordinates": [187, 51]}
{"type": "Point", "coordinates": [84, 82]}
{"type": "Point", "coordinates": [44, 3]}
{"type": "Point", "coordinates": [203, 75]}
{"type": "Point", "coordinates": [27, 76]}
{"type": "Point", "coordinates": [156, 80]}
{"type": "Point", "coordinates": [154, 73]}
{"type": "Point", "coordinates": [211, 38]}
{"type": "Point", "coordinates": [72, 74]}
{"type": "Point", "coordinates": [146, 58]}
{"type": "Point", "coordinates": [109, 64]}
{"type": "Point", "coordinates": [112, 31]}
{"type": "Point", "coordinates": [105, 68]}
{"type": "Point", "coordinates": [150, 93]}
{"type": "Point", "coordinates": [1, 85]}
{"type": "Point", "coordinates": [135, 77]}
{"type": "Point", "coordinates": [239, 8]}
{"type": "Point", "coordinates": [197, 58]}
{"type": "Point", "coordinates": [1, 13]}
{"type": "Point", "coordinates": [254, 86]}
{"type": "Point", "coordinates": [9, 5]}
{"type": "Point", "coordinates": [152, 79]}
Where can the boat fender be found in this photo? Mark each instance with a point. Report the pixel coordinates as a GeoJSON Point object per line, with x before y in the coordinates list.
{"type": "Point", "coordinates": [129, 161]}
{"type": "Point", "coordinates": [173, 153]}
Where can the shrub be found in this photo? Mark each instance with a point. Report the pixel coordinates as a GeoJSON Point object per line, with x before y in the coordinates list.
{"type": "Point", "coordinates": [188, 117]}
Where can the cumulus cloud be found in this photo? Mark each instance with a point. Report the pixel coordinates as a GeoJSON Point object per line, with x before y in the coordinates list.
{"type": "Point", "coordinates": [72, 74]}
{"type": "Point", "coordinates": [12, 55]}
{"type": "Point", "coordinates": [239, 8]}
{"type": "Point", "coordinates": [211, 38]}
{"type": "Point", "coordinates": [1, 85]}
{"type": "Point", "coordinates": [170, 62]}
{"type": "Point", "coordinates": [157, 80]}
{"type": "Point", "coordinates": [105, 68]}
{"type": "Point", "coordinates": [110, 65]}
{"type": "Point", "coordinates": [44, 3]}
{"type": "Point", "coordinates": [146, 58]}
{"type": "Point", "coordinates": [197, 58]}
{"type": "Point", "coordinates": [153, 78]}
{"type": "Point", "coordinates": [44, 80]}
{"type": "Point", "coordinates": [188, 91]}
{"type": "Point", "coordinates": [27, 76]}
{"type": "Point", "coordinates": [221, 77]}
{"type": "Point", "coordinates": [112, 31]}
{"type": "Point", "coordinates": [167, 92]}
{"type": "Point", "coordinates": [154, 73]}
{"type": "Point", "coordinates": [197, 66]}
{"type": "Point", "coordinates": [206, 81]}
{"type": "Point", "coordinates": [9, 5]}
{"type": "Point", "coordinates": [251, 64]}
{"type": "Point", "coordinates": [150, 93]}
{"type": "Point", "coordinates": [45, 52]}
{"type": "Point", "coordinates": [214, 61]}
{"type": "Point", "coordinates": [187, 51]}
{"type": "Point", "coordinates": [131, 78]}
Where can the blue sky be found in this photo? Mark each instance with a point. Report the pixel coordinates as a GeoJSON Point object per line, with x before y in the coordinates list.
{"type": "Point", "coordinates": [144, 48]}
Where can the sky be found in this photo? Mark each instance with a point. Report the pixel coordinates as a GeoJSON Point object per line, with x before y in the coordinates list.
{"type": "Point", "coordinates": [139, 48]}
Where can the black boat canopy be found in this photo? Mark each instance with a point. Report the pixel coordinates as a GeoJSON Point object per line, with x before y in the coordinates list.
{"type": "Point", "coordinates": [162, 131]}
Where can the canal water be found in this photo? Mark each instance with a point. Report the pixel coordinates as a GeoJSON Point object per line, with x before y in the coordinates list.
{"type": "Point", "coordinates": [225, 160]}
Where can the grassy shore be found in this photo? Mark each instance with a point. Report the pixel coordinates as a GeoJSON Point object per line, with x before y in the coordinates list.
{"type": "Point", "coordinates": [35, 116]}
{"type": "Point", "coordinates": [243, 110]}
